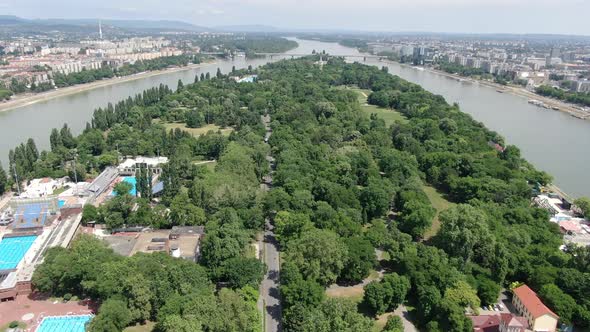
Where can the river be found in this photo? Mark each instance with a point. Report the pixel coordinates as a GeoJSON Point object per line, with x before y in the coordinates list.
{"type": "Point", "coordinates": [552, 141]}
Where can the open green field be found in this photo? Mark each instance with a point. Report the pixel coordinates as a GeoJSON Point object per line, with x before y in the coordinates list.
{"type": "Point", "coordinates": [148, 327]}
{"type": "Point", "coordinates": [388, 115]}
{"type": "Point", "coordinates": [209, 164]}
{"type": "Point", "coordinates": [195, 131]}
{"type": "Point", "coordinates": [440, 204]}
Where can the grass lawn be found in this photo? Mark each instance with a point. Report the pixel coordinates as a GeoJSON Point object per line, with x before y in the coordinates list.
{"type": "Point", "coordinates": [381, 321]}
{"type": "Point", "coordinates": [194, 131]}
{"type": "Point", "coordinates": [440, 204]}
{"type": "Point", "coordinates": [148, 327]}
{"type": "Point", "coordinates": [210, 165]}
{"type": "Point", "coordinates": [60, 190]}
{"type": "Point", "coordinates": [388, 115]}
{"type": "Point", "coordinates": [354, 293]}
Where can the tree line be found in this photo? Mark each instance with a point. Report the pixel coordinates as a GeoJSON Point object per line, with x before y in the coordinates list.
{"type": "Point", "coordinates": [580, 98]}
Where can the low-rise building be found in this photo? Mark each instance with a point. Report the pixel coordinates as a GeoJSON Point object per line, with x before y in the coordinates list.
{"type": "Point", "coordinates": [131, 165]}
{"type": "Point", "coordinates": [539, 317]}
{"type": "Point", "coordinates": [504, 322]}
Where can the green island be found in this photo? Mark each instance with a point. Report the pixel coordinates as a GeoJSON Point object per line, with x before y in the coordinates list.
{"type": "Point", "coordinates": [248, 45]}
{"type": "Point", "coordinates": [409, 186]}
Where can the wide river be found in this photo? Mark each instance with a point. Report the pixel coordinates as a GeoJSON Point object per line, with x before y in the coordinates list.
{"type": "Point", "coordinates": [552, 141]}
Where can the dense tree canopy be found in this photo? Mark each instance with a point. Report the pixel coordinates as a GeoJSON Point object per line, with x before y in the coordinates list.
{"type": "Point", "coordinates": [344, 184]}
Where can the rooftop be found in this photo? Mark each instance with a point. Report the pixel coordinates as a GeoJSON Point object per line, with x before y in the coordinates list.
{"type": "Point", "coordinates": [532, 302]}
{"type": "Point", "coordinates": [514, 321]}
{"type": "Point", "coordinates": [150, 161]}
{"type": "Point", "coordinates": [488, 323]}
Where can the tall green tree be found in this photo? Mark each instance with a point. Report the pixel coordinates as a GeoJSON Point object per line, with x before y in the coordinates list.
{"type": "Point", "coordinates": [361, 259]}
{"type": "Point", "coordinates": [320, 254]}
{"type": "Point", "coordinates": [55, 139]}
{"type": "Point", "coordinates": [584, 204]}
{"type": "Point", "coordinates": [183, 212]}
{"type": "Point", "coordinates": [113, 315]}
{"type": "Point", "coordinates": [3, 180]}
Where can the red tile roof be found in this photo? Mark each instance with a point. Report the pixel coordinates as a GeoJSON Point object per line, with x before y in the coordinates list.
{"type": "Point", "coordinates": [486, 323]}
{"type": "Point", "coordinates": [531, 301]}
{"type": "Point", "coordinates": [514, 321]}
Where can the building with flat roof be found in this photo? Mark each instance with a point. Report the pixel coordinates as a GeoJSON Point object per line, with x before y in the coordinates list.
{"type": "Point", "coordinates": [539, 317]}
{"type": "Point", "coordinates": [131, 165]}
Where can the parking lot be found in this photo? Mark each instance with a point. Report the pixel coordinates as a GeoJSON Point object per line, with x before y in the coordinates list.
{"type": "Point", "coordinates": [503, 305]}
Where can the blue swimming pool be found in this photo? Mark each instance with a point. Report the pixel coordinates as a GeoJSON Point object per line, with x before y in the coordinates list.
{"type": "Point", "coordinates": [64, 324]}
{"type": "Point", "coordinates": [13, 249]}
{"type": "Point", "coordinates": [131, 180]}
{"type": "Point", "coordinates": [61, 203]}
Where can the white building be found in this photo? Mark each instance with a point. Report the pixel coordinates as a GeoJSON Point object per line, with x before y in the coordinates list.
{"type": "Point", "coordinates": [131, 165]}
{"type": "Point", "coordinates": [581, 86]}
{"type": "Point", "coordinates": [40, 188]}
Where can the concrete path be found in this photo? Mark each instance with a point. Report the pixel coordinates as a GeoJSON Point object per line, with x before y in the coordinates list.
{"type": "Point", "coordinates": [402, 312]}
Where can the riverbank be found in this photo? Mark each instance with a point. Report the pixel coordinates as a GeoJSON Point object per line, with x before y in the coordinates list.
{"type": "Point", "coordinates": [30, 99]}
{"type": "Point", "coordinates": [516, 91]}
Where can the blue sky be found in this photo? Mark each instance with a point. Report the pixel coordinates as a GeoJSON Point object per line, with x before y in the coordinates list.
{"type": "Point", "coordinates": [475, 16]}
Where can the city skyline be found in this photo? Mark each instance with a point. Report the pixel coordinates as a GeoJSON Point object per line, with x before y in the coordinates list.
{"type": "Point", "coordinates": [452, 16]}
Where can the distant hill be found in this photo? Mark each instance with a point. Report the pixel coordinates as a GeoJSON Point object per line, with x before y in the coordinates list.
{"type": "Point", "coordinates": [11, 19]}
{"type": "Point", "coordinates": [247, 28]}
{"type": "Point", "coordinates": [123, 24]}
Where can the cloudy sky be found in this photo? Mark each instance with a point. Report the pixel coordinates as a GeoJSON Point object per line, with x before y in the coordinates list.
{"type": "Point", "coordinates": [475, 16]}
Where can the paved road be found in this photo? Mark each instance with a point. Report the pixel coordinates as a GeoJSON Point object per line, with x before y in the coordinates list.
{"type": "Point", "coordinates": [269, 289]}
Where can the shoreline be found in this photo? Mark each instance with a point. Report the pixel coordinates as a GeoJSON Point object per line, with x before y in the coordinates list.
{"type": "Point", "coordinates": [515, 91]}
{"type": "Point", "coordinates": [30, 99]}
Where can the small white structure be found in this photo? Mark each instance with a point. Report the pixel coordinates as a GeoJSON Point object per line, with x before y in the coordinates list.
{"type": "Point", "coordinates": [246, 79]}
{"type": "Point", "coordinates": [131, 165]}
{"type": "Point", "coordinates": [40, 188]}
{"type": "Point", "coordinates": [175, 251]}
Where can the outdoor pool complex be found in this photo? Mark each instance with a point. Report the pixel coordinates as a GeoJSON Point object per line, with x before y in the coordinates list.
{"type": "Point", "coordinates": [132, 181]}
{"type": "Point", "coordinates": [64, 324]}
{"type": "Point", "coordinates": [13, 249]}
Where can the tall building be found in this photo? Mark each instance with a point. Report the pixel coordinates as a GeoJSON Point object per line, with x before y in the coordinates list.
{"type": "Point", "coordinates": [555, 53]}
{"type": "Point", "coordinates": [581, 86]}
{"type": "Point", "coordinates": [99, 29]}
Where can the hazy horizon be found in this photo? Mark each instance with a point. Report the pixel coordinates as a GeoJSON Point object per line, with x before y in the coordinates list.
{"type": "Point", "coordinates": [450, 16]}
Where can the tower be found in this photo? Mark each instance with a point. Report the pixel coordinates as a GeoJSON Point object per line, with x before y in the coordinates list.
{"type": "Point", "coordinates": [99, 30]}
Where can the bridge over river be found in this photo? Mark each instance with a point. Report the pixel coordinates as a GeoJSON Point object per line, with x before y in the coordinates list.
{"type": "Point", "coordinates": [288, 54]}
